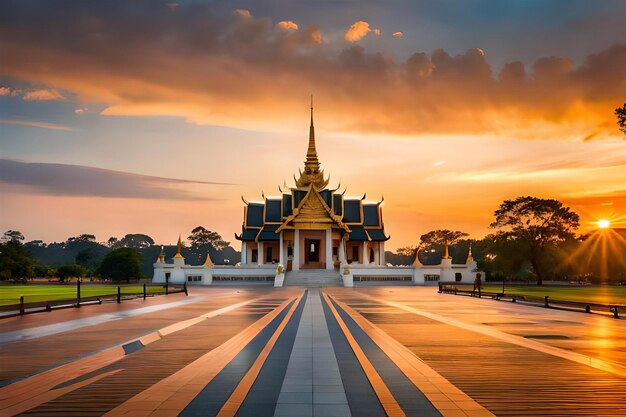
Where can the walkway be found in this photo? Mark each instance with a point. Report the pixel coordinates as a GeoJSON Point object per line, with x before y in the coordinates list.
{"type": "Point", "coordinates": [386, 351]}
{"type": "Point", "coordinates": [312, 385]}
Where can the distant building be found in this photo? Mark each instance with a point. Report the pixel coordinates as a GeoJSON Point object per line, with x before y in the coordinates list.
{"type": "Point", "coordinates": [312, 227]}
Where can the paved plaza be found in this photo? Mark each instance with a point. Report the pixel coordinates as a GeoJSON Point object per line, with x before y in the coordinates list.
{"type": "Point", "coordinates": [262, 351]}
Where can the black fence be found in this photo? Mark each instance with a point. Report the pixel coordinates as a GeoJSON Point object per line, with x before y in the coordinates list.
{"type": "Point", "coordinates": [545, 301]}
{"type": "Point", "coordinates": [118, 294]}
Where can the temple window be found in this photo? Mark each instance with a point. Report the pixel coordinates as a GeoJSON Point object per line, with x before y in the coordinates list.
{"type": "Point", "coordinates": [355, 253]}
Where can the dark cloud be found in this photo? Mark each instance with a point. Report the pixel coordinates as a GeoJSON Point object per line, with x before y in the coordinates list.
{"type": "Point", "coordinates": [208, 66]}
{"type": "Point", "coordinates": [76, 180]}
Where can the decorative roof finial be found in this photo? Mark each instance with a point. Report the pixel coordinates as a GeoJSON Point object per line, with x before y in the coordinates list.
{"type": "Point", "coordinates": [312, 173]}
{"type": "Point", "coordinates": [179, 248]}
{"type": "Point", "coordinates": [470, 258]}
{"type": "Point", "coordinates": [312, 164]}
{"type": "Point", "coordinates": [161, 258]}
{"type": "Point", "coordinates": [208, 261]}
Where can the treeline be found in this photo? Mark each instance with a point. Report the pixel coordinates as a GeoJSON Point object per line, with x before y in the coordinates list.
{"type": "Point", "coordinates": [83, 256]}
{"type": "Point", "coordinates": [534, 239]}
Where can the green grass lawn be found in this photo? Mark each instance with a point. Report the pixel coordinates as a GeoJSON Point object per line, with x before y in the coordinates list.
{"type": "Point", "coordinates": [10, 294]}
{"type": "Point", "coordinates": [602, 294]}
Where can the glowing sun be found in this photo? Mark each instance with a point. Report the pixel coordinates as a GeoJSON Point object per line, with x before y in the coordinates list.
{"type": "Point", "coordinates": [604, 224]}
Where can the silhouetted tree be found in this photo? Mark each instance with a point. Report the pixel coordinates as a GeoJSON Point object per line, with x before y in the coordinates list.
{"type": "Point", "coordinates": [134, 240]}
{"type": "Point", "coordinates": [620, 112]}
{"type": "Point", "coordinates": [13, 236]}
{"type": "Point", "coordinates": [201, 236]}
{"type": "Point", "coordinates": [82, 238]}
{"type": "Point", "coordinates": [534, 227]}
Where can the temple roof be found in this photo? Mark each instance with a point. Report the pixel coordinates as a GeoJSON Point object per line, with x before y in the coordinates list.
{"type": "Point", "coordinates": [300, 209]}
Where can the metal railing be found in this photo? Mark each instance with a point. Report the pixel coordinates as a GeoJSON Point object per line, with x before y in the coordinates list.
{"type": "Point", "coordinates": [545, 301]}
{"type": "Point", "coordinates": [117, 294]}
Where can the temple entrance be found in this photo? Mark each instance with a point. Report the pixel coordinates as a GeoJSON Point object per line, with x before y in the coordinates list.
{"type": "Point", "coordinates": [311, 251]}
{"type": "Point", "coordinates": [313, 254]}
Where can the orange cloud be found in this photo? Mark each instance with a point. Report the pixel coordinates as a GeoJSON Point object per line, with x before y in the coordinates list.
{"type": "Point", "coordinates": [397, 34]}
{"type": "Point", "coordinates": [357, 31]}
{"type": "Point", "coordinates": [244, 70]}
{"type": "Point", "coordinates": [287, 25]}
{"type": "Point", "coordinates": [9, 92]}
{"type": "Point", "coordinates": [43, 95]}
{"type": "Point", "coordinates": [376, 32]}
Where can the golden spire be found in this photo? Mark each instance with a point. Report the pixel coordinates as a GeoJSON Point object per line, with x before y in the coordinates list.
{"type": "Point", "coordinates": [312, 173]}
{"type": "Point", "coordinates": [312, 164]}
{"type": "Point", "coordinates": [161, 257]}
{"type": "Point", "coordinates": [470, 258]}
{"type": "Point", "coordinates": [208, 262]}
{"type": "Point", "coordinates": [179, 248]}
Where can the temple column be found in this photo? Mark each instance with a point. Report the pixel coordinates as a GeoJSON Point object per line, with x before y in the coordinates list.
{"type": "Point", "coordinates": [244, 253]}
{"type": "Point", "coordinates": [281, 256]}
{"type": "Point", "coordinates": [296, 250]}
{"type": "Point", "coordinates": [260, 254]}
{"type": "Point", "coordinates": [365, 258]}
{"type": "Point", "coordinates": [329, 249]}
{"type": "Point", "coordinates": [381, 253]}
{"type": "Point", "coordinates": [342, 251]}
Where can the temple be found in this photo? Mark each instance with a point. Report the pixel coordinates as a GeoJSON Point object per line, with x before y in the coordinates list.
{"type": "Point", "coordinates": [312, 234]}
{"type": "Point", "coordinates": [312, 226]}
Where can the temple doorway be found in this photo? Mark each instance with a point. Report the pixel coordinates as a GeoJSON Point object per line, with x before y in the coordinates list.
{"type": "Point", "coordinates": [312, 250]}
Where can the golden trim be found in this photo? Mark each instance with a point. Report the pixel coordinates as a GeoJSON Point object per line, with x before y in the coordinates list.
{"type": "Point", "coordinates": [309, 224]}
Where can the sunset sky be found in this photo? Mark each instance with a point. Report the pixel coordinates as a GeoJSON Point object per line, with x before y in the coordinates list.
{"type": "Point", "coordinates": [154, 117]}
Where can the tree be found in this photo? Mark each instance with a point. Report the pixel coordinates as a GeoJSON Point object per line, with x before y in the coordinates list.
{"type": "Point", "coordinates": [536, 226]}
{"type": "Point", "coordinates": [44, 271]}
{"type": "Point", "coordinates": [13, 236]}
{"type": "Point", "coordinates": [441, 237]}
{"type": "Point", "coordinates": [202, 237]}
{"type": "Point", "coordinates": [136, 241]}
{"type": "Point", "coordinates": [121, 264]}
{"type": "Point", "coordinates": [620, 112]}
{"type": "Point", "coordinates": [15, 262]}
{"type": "Point", "coordinates": [82, 238]}
{"type": "Point", "coordinates": [70, 271]}
{"type": "Point", "coordinates": [407, 250]}
{"type": "Point", "coordinates": [432, 244]}
{"type": "Point", "coordinates": [112, 241]}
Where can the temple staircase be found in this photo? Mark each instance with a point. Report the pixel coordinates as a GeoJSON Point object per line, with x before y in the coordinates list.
{"type": "Point", "coordinates": [313, 278]}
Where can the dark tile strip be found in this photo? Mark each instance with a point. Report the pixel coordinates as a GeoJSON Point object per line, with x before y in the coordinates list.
{"type": "Point", "coordinates": [211, 399]}
{"type": "Point", "coordinates": [132, 347]}
{"type": "Point", "coordinates": [362, 399]}
{"type": "Point", "coordinates": [263, 395]}
{"type": "Point", "coordinates": [411, 399]}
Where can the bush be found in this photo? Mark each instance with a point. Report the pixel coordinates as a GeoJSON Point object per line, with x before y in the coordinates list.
{"type": "Point", "coordinates": [70, 271]}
